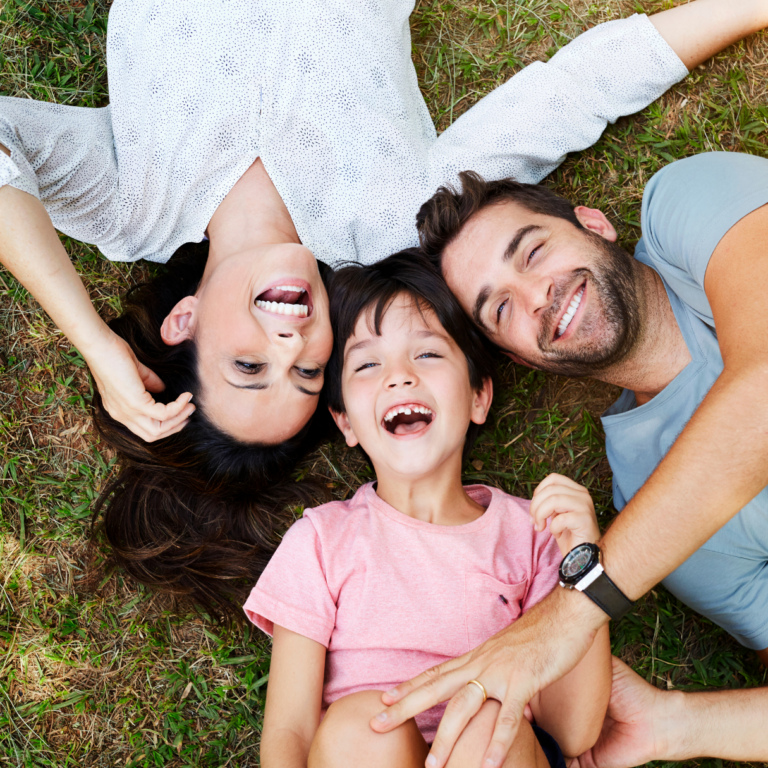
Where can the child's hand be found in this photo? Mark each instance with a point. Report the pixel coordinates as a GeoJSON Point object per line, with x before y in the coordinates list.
{"type": "Point", "coordinates": [570, 508]}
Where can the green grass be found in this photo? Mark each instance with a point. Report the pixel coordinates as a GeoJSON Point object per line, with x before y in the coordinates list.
{"type": "Point", "coordinates": [96, 671]}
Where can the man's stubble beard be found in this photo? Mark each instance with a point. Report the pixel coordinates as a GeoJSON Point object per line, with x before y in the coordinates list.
{"type": "Point", "coordinates": [613, 279]}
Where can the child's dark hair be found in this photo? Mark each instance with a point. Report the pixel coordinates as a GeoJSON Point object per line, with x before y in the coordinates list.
{"type": "Point", "coordinates": [355, 290]}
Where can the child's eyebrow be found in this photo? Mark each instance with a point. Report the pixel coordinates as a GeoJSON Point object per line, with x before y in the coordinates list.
{"type": "Point", "coordinates": [360, 345]}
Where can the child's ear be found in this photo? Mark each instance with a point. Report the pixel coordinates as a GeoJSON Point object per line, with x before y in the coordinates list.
{"type": "Point", "coordinates": [482, 402]}
{"type": "Point", "coordinates": [342, 422]}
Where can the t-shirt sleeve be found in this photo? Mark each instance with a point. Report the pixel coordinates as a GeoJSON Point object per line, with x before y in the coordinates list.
{"type": "Point", "coordinates": [546, 565]}
{"type": "Point", "coordinates": [292, 592]}
{"type": "Point", "coordinates": [688, 207]}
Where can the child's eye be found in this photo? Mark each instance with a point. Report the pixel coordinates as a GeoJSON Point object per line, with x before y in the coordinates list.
{"type": "Point", "coordinates": [428, 354]}
{"type": "Point", "coordinates": [364, 366]}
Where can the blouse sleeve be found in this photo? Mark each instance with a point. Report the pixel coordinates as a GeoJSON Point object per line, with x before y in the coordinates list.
{"type": "Point", "coordinates": [525, 128]}
{"type": "Point", "coordinates": [65, 157]}
{"type": "Point", "coordinates": [293, 592]}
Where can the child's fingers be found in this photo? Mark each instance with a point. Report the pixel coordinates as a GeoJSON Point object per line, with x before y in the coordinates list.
{"type": "Point", "coordinates": [555, 500]}
{"type": "Point", "coordinates": [567, 521]}
{"type": "Point", "coordinates": [555, 479]}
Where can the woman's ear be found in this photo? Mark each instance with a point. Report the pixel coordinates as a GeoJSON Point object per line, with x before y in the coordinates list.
{"type": "Point", "coordinates": [180, 322]}
{"type": "Point", "coordinates": [342, 422]}
{"type": "Point", "coordinates": [595, 221]}
{"type": "Point", "coordinates": [482, 402]}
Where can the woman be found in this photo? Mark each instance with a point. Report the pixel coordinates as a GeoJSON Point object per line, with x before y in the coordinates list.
{"type": "Point", "coordinates": [290, 134]}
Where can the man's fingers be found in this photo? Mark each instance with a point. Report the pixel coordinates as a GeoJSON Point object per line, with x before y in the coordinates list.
{"type": "Point", "coordinates": [504, 732]}
{"type": "Point", "coordinates": [438, 688]}
{"type": "Point", "coordinates": [403, 689]}
{"type": "Point", "coordinates": [460, 710]}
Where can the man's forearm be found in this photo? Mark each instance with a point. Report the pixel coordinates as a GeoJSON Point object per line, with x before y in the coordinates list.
{"type": "Point", "coordinates": [730, 725]}
{"type": "Point", "coordinates": [717, 465]}
{"type": "Point", "coordinates": [696, 31]}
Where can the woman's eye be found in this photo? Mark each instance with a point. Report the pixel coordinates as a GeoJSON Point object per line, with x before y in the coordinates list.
{"type": "Point", "coordinates": [250, 368]}
{"type": "Point", "coordinates": [500, 310]}
{"type": "Point", "coordinates": [309, 373]}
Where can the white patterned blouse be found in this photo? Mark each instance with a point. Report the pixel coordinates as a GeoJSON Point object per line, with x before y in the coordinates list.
{"type": "Point", "coordinates": [325, 92]}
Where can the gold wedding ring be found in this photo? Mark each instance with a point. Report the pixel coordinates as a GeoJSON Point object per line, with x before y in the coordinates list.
{"type": "Point", "coordinates": [481, 687]}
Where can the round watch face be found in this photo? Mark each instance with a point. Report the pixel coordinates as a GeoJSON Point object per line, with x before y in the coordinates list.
{"type": "Point", "coordinates": [576, 561]}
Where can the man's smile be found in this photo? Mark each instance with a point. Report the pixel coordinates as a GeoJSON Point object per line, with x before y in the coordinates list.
{"type": "Point", "coordinates": [571, 311]}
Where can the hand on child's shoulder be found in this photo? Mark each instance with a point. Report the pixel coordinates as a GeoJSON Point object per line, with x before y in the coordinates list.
{"type": "Point", "coordinates": [569, 509]}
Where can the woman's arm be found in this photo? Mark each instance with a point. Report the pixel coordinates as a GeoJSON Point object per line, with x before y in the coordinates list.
{"type": "Point", "coordinates": [31, 250]}
{"type": "Point", "coordinates": [696, 31]}
{"type": "Point", "coordinates": [294, 699]}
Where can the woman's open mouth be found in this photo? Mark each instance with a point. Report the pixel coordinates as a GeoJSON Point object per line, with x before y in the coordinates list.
{"type": "Point", "coordinates": [408, 419]}
{"type": "Point", "coordinates": [290, 298]}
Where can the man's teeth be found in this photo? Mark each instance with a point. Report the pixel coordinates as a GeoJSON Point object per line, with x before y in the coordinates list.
{"type": "Point", "coordinates": [280, 308]}
{"type": "Point", "coordinates": [291, 288]}
{"type": "Point", "coordinates": [570, 312]}
{"type": "Point", "coordinates": [406, 410]}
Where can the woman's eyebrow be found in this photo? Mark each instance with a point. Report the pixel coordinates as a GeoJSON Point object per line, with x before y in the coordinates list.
{"type": "Point", "coordinates": [308, 391]}
{"type": "Point", "coordinates": [247, 386]}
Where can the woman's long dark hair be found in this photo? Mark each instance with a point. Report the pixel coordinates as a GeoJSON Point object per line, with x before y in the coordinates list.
{"type": "Point", "coordinates": [198, 513]}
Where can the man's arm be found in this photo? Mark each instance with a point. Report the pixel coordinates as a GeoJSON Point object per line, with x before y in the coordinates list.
{"type": "Point", "coordinates": [718, 463]}
{"type": "Point", "coordinates": [294, 700]}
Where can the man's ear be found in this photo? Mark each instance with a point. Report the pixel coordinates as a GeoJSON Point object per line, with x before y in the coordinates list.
{"type": "Point", "coordinates": [595, 221]}
{"type": "Point", "coordinates": [482, 402]}
{"type": "Point", "coordinates": [519, 360]}
{"type": "Point", "coordinates": [179, 323]}
{"type": "Point", "coordinates": [342, 422]}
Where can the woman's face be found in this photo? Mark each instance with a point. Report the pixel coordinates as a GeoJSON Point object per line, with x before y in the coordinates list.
{"type": "Point", "coordinates": [262, 329]}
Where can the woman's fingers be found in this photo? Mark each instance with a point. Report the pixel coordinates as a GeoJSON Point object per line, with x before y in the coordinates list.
{"type": "Point", "coordinates": [460, 710]}
{"type": "Point", "coordinates": [167, 411]}
{"type": "Point", "coordinates": [152, 382]}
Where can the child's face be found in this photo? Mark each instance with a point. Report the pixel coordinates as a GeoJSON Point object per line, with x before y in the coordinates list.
{"type": "Point", "coordinates": [414, 365]}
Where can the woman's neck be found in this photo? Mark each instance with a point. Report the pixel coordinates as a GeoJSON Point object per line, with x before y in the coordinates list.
{"type": "Point", "coordinates": [251, 215]}
{"type": "Point", "coordinates": [438, 497]}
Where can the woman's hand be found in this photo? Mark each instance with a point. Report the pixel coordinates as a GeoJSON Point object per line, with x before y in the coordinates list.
{"type": "Point", "coordinates": [569, 508]}
{"type": "Point", "coordinates": [125, 386]}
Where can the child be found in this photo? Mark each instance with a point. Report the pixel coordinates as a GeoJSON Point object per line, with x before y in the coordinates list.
{"type": "Point", "coordinates": [415, 569]}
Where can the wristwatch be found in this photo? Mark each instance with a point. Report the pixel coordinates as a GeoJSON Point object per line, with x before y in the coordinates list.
{"type": "Point", "coordinates": [581, 569]}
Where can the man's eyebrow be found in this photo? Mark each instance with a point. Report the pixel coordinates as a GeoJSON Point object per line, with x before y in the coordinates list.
{"type": "Point", "coordinates": [514, 243]}
{"type": "Point", "coordinates": [482, 297]}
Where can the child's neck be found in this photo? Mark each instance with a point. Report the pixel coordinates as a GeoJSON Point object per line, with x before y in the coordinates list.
{"type": "Point", "coordinates": [438, 498]}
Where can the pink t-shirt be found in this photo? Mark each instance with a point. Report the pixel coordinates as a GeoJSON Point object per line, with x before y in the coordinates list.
{"type": "Point", "coordinates": [390, 596]}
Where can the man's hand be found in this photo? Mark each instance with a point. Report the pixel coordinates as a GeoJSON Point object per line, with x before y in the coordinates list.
{"type": "Point", "coordinates": [125, 385]}
{"type": "Point", "coordinates": [513, 665]}
{"type": "Point", "coordinates": [634, 728]}
{"type": "Point", "coordinates": [569, 508]}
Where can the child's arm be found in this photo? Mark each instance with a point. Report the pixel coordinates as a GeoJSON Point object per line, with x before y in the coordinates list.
{"type": "Point", "coordinates": [294, 699]}
{"type": "Point", "coordinates": [572, 710]}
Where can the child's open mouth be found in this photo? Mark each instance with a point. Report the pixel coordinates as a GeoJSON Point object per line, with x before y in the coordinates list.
{"type": "Point", "coordinates": [286, 299]}
{"type": "Point", "coordinates": [408, 419]}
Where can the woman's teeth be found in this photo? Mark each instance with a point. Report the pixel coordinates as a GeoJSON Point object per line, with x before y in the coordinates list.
{"type": "Point", "coordinates": [280, 308]}
{"type": "Point", "coordinates": [291, 288]}
{"type": "Point", "coordinates": [570, 312]}
{"type": "Point", "coordinates": [390, 414]}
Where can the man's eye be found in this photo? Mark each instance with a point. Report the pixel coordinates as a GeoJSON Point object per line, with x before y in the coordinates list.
{"type": "Point", "coordinates": [531, 254]}
{"type": "Point", "coordinates": [500, 310]}
{"type": "Point", "coordinates": [249, 368]}
{"type": "Point", "coordinates": [309, 373]}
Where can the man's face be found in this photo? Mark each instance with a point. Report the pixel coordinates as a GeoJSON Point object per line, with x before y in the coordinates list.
{"type": "Point", "coordinates": [556, 297]}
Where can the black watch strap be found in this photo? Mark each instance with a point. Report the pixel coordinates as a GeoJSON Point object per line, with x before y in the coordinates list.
{"type": "Point", "coordinates": [609, 597]}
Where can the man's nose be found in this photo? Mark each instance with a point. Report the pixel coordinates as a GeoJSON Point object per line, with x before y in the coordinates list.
{"type": "Point", "coordinates": [540, 293]}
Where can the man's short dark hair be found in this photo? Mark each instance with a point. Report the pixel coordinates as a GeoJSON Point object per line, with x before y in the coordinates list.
{"type": "Point", "coordinates": [355, 290]}
{"type": "Point", "coordinates": [443, 216]}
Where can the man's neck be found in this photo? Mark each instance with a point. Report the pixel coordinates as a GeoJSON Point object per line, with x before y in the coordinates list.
{"type": "Point", "coordinates": [438, 498]}
{"type": "Point", "coordinates": [660, 352]}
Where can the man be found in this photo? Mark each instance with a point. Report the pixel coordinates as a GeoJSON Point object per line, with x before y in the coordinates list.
{"type": "Point", "coordinates": [680, 326]}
